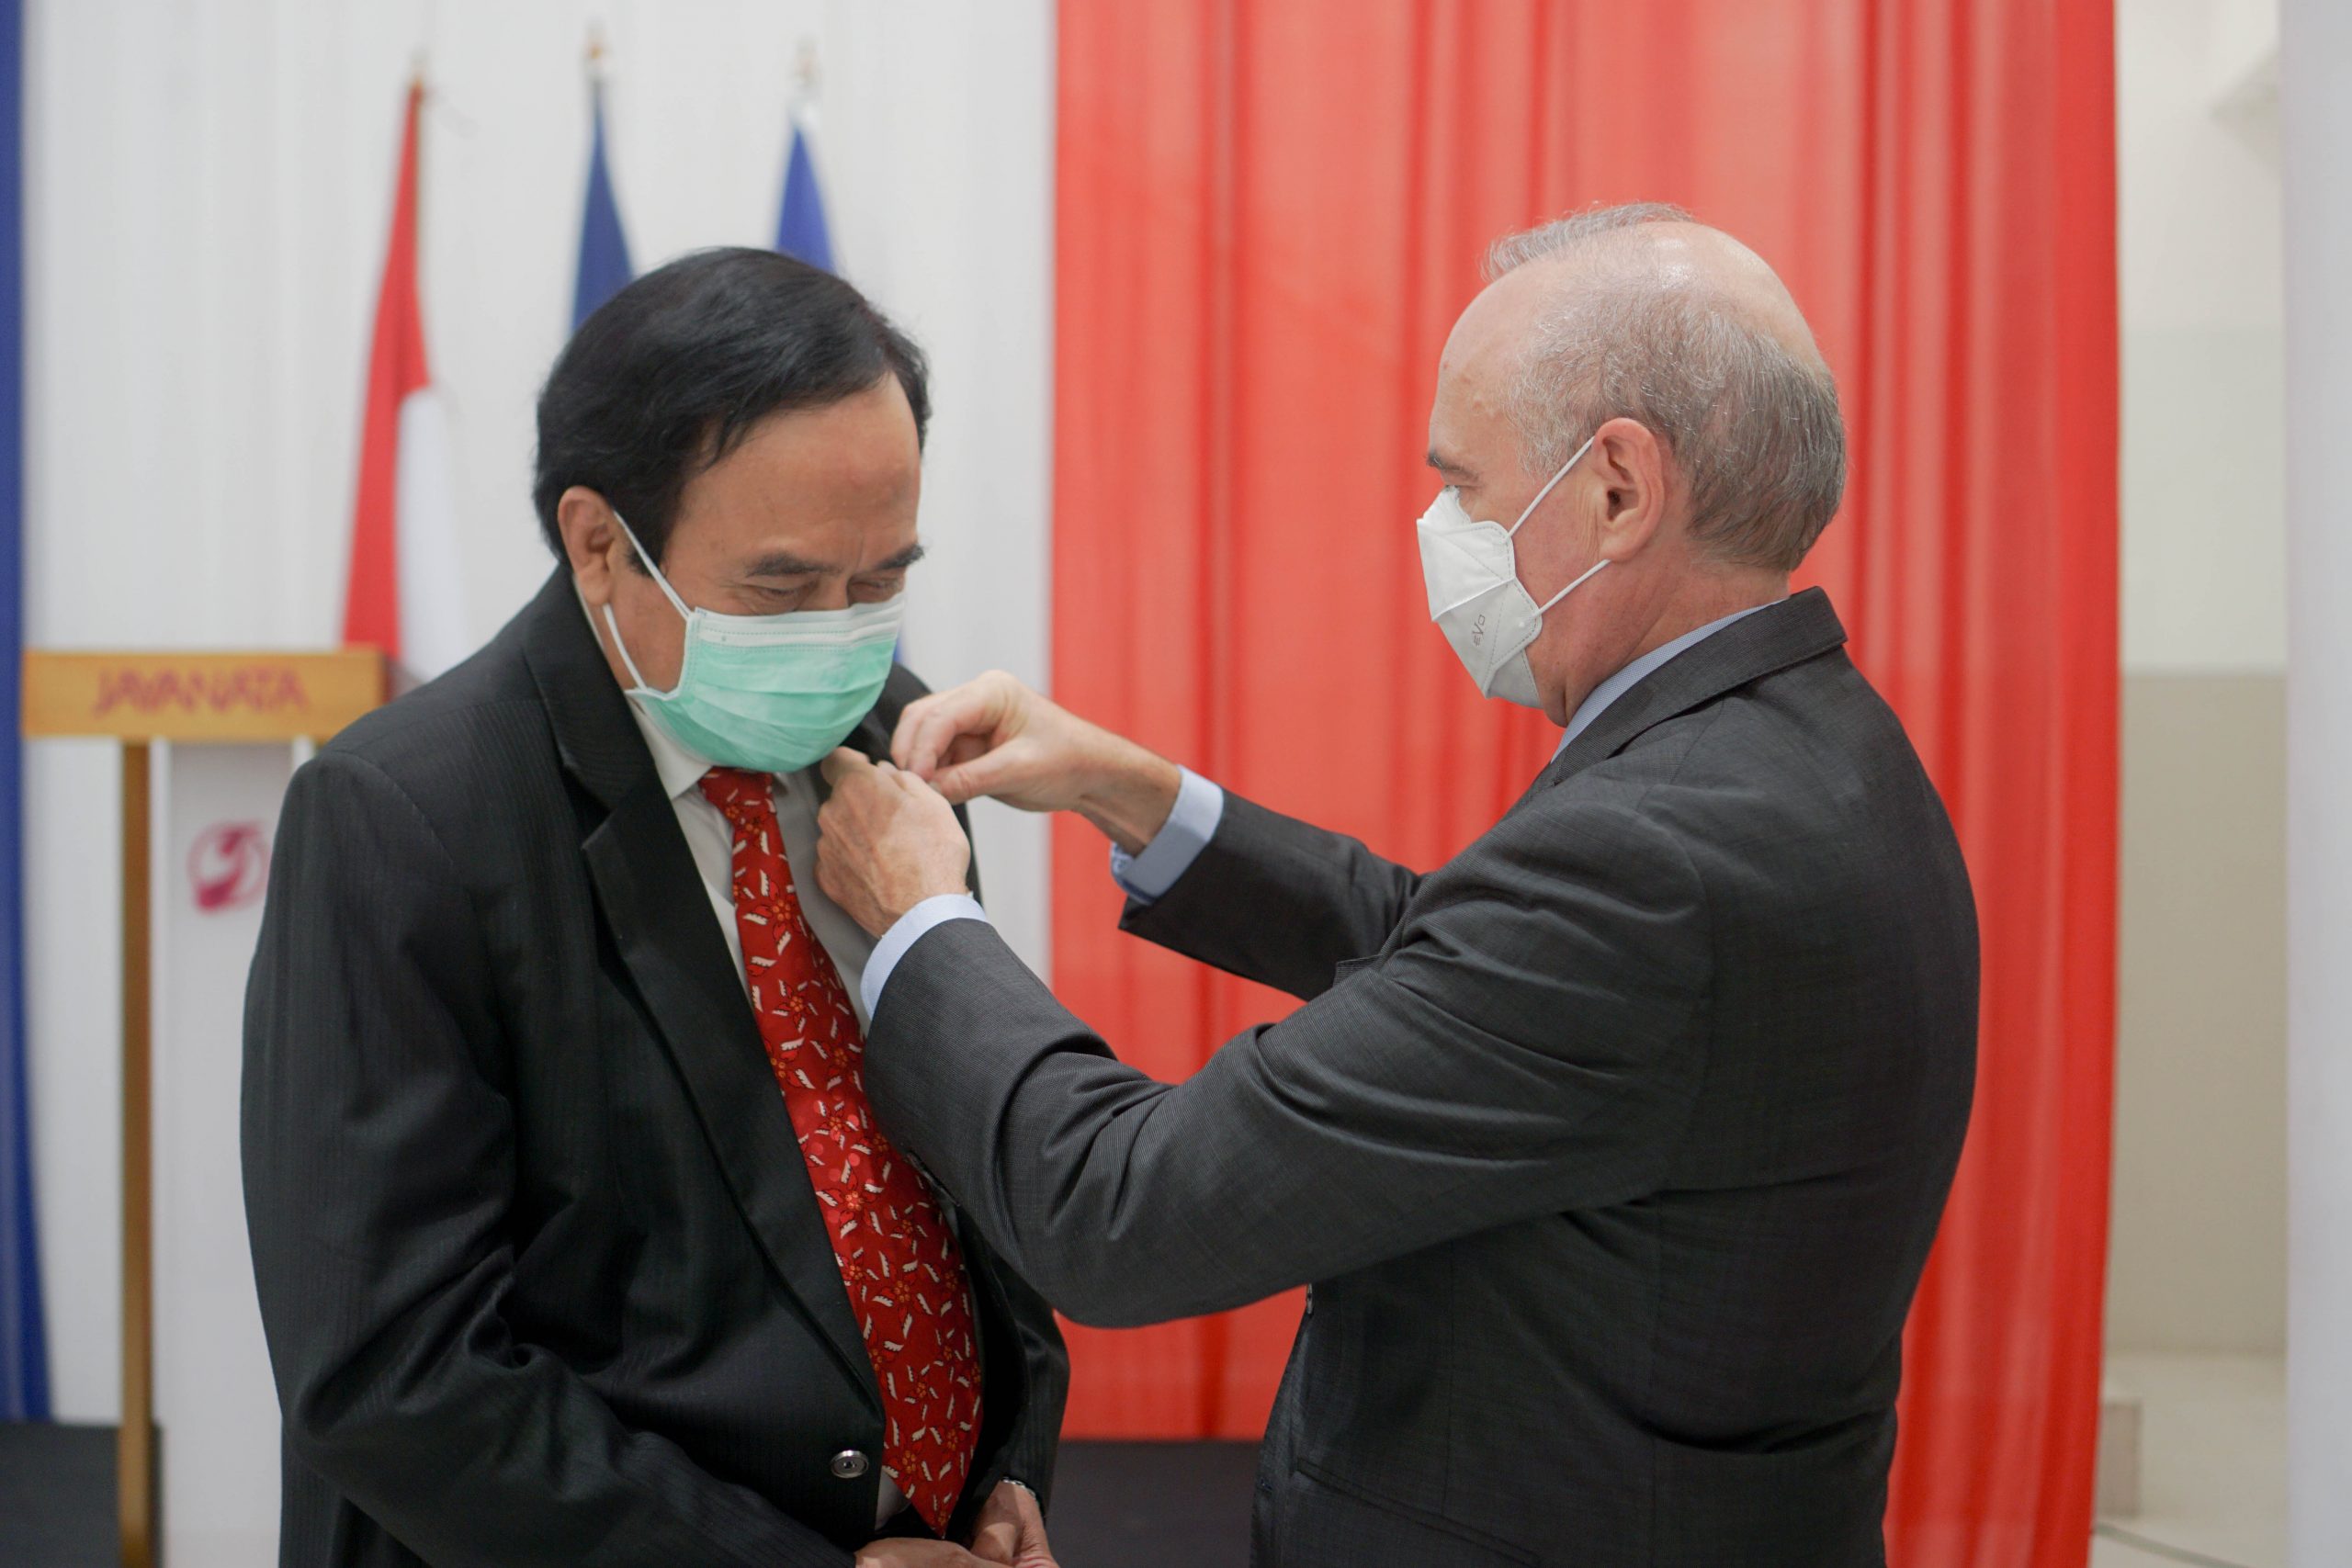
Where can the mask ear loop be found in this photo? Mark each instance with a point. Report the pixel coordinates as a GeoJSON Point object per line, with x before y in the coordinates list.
{"type": "Point", "coordinates": [1571, 587]}
{"type": "Point", "coordinates": [1532, 505]}
{"type": "Point", "coordinates": [663, 583]}
{"type": "Point", "coordinates": [642, 689]}
{"type": "Point", "coordinates": [638, 688]}
{"type": "Point", "coordinates": [1540, 494]}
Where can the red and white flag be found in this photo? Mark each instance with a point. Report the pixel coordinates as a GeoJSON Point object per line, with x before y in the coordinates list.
{"type": "Point", "coordinates": [403, 593]}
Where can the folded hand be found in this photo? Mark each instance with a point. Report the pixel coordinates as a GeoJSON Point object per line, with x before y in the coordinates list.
{"type": "Point", "coordinates": [913, 1554]}
{"type": "Point", "coordinates": [886, 842]}
{"type": "Point", "coordinates": [1012, 1529]}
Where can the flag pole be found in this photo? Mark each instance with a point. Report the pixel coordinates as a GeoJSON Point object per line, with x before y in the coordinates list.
{"type": "Point", "coordinates": [136, 1493]}
{"type": "Point", "coordinates": [593, 65]}
{"type": "Point", "coordinates": [805, 75]}
{"type": "Point", "coordinates": [808, 77]}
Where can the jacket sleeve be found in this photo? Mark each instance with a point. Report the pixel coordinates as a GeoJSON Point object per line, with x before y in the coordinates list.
{"type": "Point", "coordinates": [1276, 900]}
{"type": "Point", "coordinates": [1532, 1044]}
{"type": "Point", "coordinates": [1034, 1441]}
{"type": "Point", "coordinates": [379, 1166]}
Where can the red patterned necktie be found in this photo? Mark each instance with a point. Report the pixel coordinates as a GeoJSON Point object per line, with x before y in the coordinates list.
{"type": "Point", "coordinates": [898, 1258]}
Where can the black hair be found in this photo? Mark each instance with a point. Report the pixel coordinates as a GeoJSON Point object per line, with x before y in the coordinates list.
{"type": "Point", "coordinates": [670, 374]}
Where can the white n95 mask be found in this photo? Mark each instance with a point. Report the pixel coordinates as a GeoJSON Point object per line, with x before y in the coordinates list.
{"type": "Point", "coordinates": [1476, 596]}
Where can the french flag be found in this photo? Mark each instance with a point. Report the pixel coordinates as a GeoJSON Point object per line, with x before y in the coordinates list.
{"type": "Point", "coordinates": [604, 268]}
{"type": "Point", "coordinates": [801, 232]}
{"type": "Point", "coordinates": [402, 594]}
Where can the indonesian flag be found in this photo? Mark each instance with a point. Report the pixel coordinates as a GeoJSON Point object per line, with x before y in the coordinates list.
{"type": "Point", "coordinates": [403, 593]}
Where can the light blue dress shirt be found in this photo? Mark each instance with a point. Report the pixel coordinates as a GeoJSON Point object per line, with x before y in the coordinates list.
{"type": "Point", "coordinates": [1200, 804]}
{"type": "Point", "coordinates": [1633, 674]}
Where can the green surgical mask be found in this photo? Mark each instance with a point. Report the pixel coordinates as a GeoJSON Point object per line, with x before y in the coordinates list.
{"type": "Point", "coordinates": [773, 694]}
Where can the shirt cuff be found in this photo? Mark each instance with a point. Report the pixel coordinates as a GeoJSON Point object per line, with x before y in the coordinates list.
{"type": "Point", "coordinates": [909, 929]}
{"type": "Point", "coordinates": [1191, 824]}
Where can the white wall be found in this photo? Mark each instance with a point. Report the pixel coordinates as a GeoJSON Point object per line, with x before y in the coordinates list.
{"type": "Point", "coordinates": [2197, 1259]}
{"type": "Point", "coordinates": [2204, 521]}
{"type": "Point", "coordinates": [208, 183]}
{"type": "Point", "coordinates": [2317, 58]}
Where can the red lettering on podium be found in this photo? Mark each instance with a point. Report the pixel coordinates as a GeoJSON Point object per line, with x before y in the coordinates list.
{"type": "Point", "coordinates": [254, 688]}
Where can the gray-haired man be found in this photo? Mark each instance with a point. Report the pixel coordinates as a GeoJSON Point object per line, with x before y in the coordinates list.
{"type": "Point", "coordinates": [1614, 1148]}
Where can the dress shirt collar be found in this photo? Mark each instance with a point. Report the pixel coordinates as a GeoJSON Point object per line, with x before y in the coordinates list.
{"type": "Point", "coordinates": [1626, 679]}
{"type": "Point", "coordinates": [680, 770]}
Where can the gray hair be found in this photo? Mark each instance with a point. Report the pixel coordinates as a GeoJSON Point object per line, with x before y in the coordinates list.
{"type": "Point", "coordinates": [1753, 427]}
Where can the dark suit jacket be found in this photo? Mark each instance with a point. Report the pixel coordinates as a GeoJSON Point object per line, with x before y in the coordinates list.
{"type": "Point", "coordinates": [542, 1274]}
{"type": "Point", "coordinates": [1614, 1148]}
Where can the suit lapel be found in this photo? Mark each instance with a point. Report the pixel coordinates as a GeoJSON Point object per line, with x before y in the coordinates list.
{"type": "Point", "coordinates": [1799, 628]}
{"type": "Point", "coordinates": [655, 904]}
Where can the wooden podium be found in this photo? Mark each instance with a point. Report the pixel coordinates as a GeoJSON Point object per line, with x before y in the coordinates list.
{"type": "Point", "coordinates": [185, 698]}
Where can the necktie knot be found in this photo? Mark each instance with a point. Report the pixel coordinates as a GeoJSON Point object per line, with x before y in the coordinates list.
{"type": "Point", "coordinates": [737, 789]}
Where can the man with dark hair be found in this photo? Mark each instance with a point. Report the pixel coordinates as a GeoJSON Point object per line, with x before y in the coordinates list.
{"type": "Point", "coordinates": [575, 1239]}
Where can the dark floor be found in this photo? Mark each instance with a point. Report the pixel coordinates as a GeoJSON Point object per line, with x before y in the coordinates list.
{"type": "Point", "coordinates": [1116, 1505]}
{"type": "Point", "coordinates": [1150, 1505]}
{"type": "Point", "coordinates": [56, 1497]}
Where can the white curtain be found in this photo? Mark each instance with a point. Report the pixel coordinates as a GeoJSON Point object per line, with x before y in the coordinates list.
{"type": "Point", "coordinates": [208, 183]}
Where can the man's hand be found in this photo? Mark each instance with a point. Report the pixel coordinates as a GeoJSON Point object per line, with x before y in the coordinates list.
{"type": "Point", "coordinates": [1011, 1529]}
{"type": "Point", "coordinates": [1011, 1532]}
{"type": "Point", "coordinates": [912, 1553]}
{"type": "Point", "coordinates": [995, 737]}
{"type": "Point", "coordinates": [886, 842]}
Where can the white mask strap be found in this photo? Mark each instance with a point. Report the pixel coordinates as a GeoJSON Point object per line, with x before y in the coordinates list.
{"type": "Point", "coordinates": [672, 594]}
{"type": "Point", "coordinates": [1532, 505]}
{"type": "Point", "coordinates": [1571, 587]}
{"type": "Point", "coordinates": [637, 680]}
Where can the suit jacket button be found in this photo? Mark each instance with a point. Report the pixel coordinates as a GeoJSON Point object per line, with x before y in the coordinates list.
{"type": "Point", "coordinates": [849, 1464]}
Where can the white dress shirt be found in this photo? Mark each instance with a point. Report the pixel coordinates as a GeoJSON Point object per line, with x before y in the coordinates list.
{"type": "Point", "coordinates": [712, 843]}
{"type": "Point", "coordinates": [1200, 804]}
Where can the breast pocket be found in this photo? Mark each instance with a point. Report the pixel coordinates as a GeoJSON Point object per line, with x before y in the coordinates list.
{"type": "Point", "coordinates": [1353, 966]}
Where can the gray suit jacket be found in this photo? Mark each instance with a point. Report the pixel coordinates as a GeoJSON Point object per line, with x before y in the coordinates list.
{"type": "Point", "coordinates": [1614, 1148]}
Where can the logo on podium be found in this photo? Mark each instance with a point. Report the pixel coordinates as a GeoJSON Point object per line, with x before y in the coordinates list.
{"type": "Point", "coordinates": [228, 866]}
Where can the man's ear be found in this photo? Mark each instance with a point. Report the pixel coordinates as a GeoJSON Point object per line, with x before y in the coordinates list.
{"type": "Point", "coordinates": [593, 542]}
{"type": "Point", "coordinates": [1630, 462]}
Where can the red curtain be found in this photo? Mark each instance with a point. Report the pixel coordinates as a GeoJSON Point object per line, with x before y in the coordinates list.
{"type": "Point", "coordinates": [1269, 216]}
